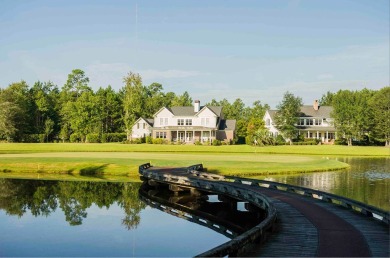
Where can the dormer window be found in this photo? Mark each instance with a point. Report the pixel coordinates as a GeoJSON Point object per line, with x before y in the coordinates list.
{"type": "Point", "coordinates": [180, 121]}
{"type": "Point", "coordinates": [188, 121]}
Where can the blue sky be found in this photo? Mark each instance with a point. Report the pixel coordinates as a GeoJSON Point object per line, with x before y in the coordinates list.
{"type": "Point", "coordinates": [253, 50]}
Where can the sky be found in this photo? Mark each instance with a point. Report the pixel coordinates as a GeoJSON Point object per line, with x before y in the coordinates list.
{"type": "Point", "coordinates": [247, 49]}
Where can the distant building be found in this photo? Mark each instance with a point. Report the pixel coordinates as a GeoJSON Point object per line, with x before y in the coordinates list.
{"type": "Point", "coordinates": [186, 124]}
{"type": "Point", "coordinates": [314, 122]}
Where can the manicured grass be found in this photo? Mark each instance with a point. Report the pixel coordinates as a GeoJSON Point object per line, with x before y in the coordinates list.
{"type": "Point", "coordinates": [336, 150]}
{"type": "Point", "coordinates": [126, 164]}
{"type": "Point", "coordinates": [113, 161]}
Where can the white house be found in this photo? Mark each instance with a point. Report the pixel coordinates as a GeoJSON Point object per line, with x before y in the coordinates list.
{"type": "Point", "coordinates": [187, 124]}
{"type": "Point", "coordinates": [314, 122]}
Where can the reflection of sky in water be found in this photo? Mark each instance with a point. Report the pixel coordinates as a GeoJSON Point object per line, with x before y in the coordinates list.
{"type": "Point", "coordinates": [102, 234]}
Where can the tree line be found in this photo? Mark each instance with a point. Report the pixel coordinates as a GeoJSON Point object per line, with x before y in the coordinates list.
{"type": "Point", "coordinates": [77, 113]}
{"type": "Point", "coordinates": [360, 117]}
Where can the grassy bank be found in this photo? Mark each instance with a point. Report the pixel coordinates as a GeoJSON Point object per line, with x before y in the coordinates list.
{"type": "Point", "coordinates": [334, 150]}
{"type": "Point", "coordinates": [112, 161]}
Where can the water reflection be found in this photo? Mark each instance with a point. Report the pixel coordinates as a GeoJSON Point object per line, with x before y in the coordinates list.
{"type": "Point", "coordinates": [42, 198]}
{"type": "Point", "coordinates": [367, 180]}
{"type": "Point", "coordinates": [223, 214]}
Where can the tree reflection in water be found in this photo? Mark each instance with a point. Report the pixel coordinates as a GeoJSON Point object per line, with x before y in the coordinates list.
{"type": "Point", "coordinates": [42, 198]}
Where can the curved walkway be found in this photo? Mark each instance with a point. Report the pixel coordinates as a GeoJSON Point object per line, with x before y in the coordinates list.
{"type": "Point", "coordinates": [307, 226]}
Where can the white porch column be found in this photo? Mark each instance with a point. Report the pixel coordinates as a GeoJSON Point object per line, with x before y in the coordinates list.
{"type": "Point", "coordinates": [327, 136]}
{"type": "Point", "coordinates": [317, 135]}
{"type": "Point", "coordinates": [308, 134]}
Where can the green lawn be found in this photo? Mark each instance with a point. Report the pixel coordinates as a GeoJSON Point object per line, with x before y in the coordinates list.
{"type": "Point", "coordinates": [110, 161]}
{"type": "Point", "coordinates": [336, 150]}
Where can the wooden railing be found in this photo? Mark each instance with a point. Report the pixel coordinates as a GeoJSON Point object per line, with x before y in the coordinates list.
{"type": "Point", "coordinates": [213, 184]}
{"type": "Point", "coordinates": [365, 209]}
{"type": "Point", "coordinates": [230, 185]}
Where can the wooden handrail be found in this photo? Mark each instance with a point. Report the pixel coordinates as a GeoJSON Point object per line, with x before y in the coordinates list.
{"type": "Point", "coordinates": [365, 209]}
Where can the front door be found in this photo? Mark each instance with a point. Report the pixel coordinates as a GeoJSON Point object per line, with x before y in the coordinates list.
{"type": "Point", "coordinates": [188, 136]}
{"type": "Point", "coordinates": [180, 137]}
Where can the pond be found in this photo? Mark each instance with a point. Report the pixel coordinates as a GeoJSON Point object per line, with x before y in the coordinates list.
{"type": "Point", "coordinates": [367, 180]}
{"type": "Point", "coordinates": [64, 218]}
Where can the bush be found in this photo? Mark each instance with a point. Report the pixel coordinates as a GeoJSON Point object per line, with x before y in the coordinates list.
{"type": "Point", "coordinates": [341, 141]}
{"type": "Point", "coordinates": [75, 137]}
{"type": "Point", "coordinates": [280, 140]}
{"type": "Point", "coordinates": [158, 141]}
{"type": "Point", "coordinates": [93, 138]}
{"type": "Point", "coordinates": [33, 138]}
{"type": "Point", "coordinates": [216, 143]}
{"type": "Point", "coordinates": [198, 143]}
{"type": "Point", "coordinates": [114, 137]}
{"type": "Point", "coordinates": [148, 140]}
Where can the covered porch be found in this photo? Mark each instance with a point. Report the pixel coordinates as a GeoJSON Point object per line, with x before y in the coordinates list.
{"type": "Point", "coordinates": [191, 136]}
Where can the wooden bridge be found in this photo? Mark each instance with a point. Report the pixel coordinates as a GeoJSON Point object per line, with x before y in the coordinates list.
{"type": "Point", "coordinates": [299, 221]}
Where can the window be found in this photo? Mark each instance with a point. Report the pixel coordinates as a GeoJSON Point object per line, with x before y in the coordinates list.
{"type": "Point", "coordinates": [309, 122]}
{"type": "Point", "coordinates": [268, 122]}
{"type": "Point", "coordinates": [207, 121]}
{"type": "Point", "coordinates": [137, 125]}
{"type": "Point", "coordinates": [180, 121]}
{"type": "Point", "coordinates": [161, 121]}
{"type": "Point", "coordinates": [301, 121]}
{"type": "Point", "coordinates": [166, 121]}
{"type": "Point", "coordinates": [318, 121]}
{"type": "Point", "coordinates": [188, 121]}
{"type": "Point", "coordinates": [143, 125]}
{"type": "Point", "coordinates": [202, 121]}
{"type": "Point", "coordinates": [161, 135]}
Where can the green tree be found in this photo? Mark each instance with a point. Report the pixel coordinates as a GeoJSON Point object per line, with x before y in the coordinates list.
{"type": "Point", "coordinates": [109, 110]}
{"type": "Point", "coordinates": [45, 96]}
{"type": "Point", "coordinates": [380, 106]}
{"type": "Point", "coordinates": [133, 101]}
{"type": "Point", "coordinates": [49, 127]}
{"type": "Point", "coordinates": [287, 115]}
{"type": "Point", "coordinates": [20, 112]}
{"type": "Point", "coordinates": [183, 100]}
{"type": "Point", "coordinates": [76, 84]}
{"type": "Point", "coordinates": [84, 116]}
{"type": "Point", "coordinates": [8, 120]}
{"type": "Point", "coordinates": [326, 99]}
{"type": "Point", "coordinates": [352, 114]}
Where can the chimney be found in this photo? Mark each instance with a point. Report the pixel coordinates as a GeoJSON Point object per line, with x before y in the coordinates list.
{"type": "Point", "coordinates": [315, 105]}
{"type": "Point", "coordinates": [196, 106]}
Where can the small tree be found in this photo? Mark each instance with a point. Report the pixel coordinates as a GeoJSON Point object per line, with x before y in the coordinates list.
{"type": "Point", "coordinates": [287, 115]}
{"type": "Point", "coordinates": [380, 104]}
{"type": "Point", "coordinates": [49, 127]}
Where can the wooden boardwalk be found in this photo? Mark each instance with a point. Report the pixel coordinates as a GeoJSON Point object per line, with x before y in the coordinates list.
{"type": "Point", "coordinates": [306, 225]}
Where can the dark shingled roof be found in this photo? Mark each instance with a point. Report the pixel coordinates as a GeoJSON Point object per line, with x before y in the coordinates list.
{"type": "Point", "coordinates": [189, 111]}
{"type": "Point", "coordinates": [323, 111]}
{"type": "Point", "coordinates": [150, 121]}
{"type": "Point", "coordinates": [227, 125]}
{"type": "Point", "coordinates": [308, 111]}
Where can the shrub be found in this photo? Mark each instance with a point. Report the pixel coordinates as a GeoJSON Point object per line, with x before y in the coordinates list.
{"type": "Point", "coordinates": [93, 138]}
{"type": "Point", "coordinates": [33, 138]}
{"type": "Point", "coordinates": [148, 140]}
{"type": "Point", "coordinates": [216, 142]}
{"type": "Point", "coordinates": [158, 141]}
{"type": "Point", "coordinates": [198, 143]}
{"type": "Point", "coordinates": [114, 137]}
{"type": "Point", "coordinates": [341, 141]}
{"type": "Point", "coordinates": [75, 137]}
